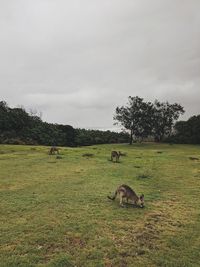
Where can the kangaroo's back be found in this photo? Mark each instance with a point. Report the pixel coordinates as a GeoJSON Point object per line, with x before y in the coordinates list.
{"type": "Point", "coordinates": [53, 149]}
{"type": "Point", "coordinates": [128, 192]}
{"type": "Point", "coordinates": [116, 155]}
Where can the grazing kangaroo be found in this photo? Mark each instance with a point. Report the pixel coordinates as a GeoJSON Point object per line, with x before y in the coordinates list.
{"type": "Point", "coordinates": [116, 155]}
{"type": "Point", "coordinates": [125, 191]}
{"type": "Point", "coordinates": [53, 149]}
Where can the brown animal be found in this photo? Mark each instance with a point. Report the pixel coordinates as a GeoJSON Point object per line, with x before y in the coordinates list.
{"type": "Point", "coordinates": [53, 149]}
{"type": "Point", "coordinates": [116, 155]}
{"type": "Point", "coordinates": [124, 191]}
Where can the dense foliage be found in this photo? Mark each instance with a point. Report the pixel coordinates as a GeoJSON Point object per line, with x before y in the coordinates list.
{"type": "Point", "coordinates": [89, 137]}
{"type": "Point", "coordinates": [19, 127]}
{"type": "Point", "coordinates": [187, 132]}
{"type": "Point", "coordinates": [146, 119]}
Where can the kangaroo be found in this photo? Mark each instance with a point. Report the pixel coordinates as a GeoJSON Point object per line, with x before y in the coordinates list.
{"type": "Point", "coordinates": [125, 191]}
{"type": "Point", "coordinates": [116, 155]}
{"type": "Point", "coordinates": [53, 149]}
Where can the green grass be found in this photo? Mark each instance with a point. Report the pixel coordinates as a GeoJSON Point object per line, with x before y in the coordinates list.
{"type": "Point", "coordinates": [55, 211]}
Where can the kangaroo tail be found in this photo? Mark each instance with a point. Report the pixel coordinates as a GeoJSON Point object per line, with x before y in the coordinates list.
{"type": "Point", "coordinates": [113, 197]}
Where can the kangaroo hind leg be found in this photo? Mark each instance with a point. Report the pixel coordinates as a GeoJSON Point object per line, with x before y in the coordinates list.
{"type": "Point", "coordinates": [121, 199]}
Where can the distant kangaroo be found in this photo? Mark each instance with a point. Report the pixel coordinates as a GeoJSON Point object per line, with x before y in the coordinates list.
{"type": "Point", "coordinates": [116, 155]}
{"type": "Point", "coordinates": [53, 149]}
{"type": "Point", "coordinates": [125, 191]}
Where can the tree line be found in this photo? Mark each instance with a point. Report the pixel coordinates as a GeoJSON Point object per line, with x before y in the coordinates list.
{"type": "Point", "coordinates": [141, 120]}
{"type": "Point", "coordinates": [157, 121]}
{"type": "Point", "coordinates": [186, 132]}
{"type": "Point", "coordinates": [17, 126]}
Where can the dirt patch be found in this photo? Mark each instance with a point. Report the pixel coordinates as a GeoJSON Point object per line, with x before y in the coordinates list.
{"type": "Point", "coordinates": [77, 242]}
{"type": "Point", "coordinates": [148, 235]}
{"type": "Point", "coordinates": [10, 187]}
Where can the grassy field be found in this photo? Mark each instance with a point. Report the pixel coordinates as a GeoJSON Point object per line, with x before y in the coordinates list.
{"type": "Point", "coordinates": [55, 211]}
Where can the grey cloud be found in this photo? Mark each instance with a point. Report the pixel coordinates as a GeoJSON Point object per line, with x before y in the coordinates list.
{"type": "Point", "coordinates": [77, 60]}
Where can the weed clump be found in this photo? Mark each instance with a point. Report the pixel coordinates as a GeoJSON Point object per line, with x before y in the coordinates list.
{"type": "Point", "coordinates": [143, 176]}
{"type": "Point", "coordinates": [193, 158]}
{"type": "Point", "coordinates": [88, 155]}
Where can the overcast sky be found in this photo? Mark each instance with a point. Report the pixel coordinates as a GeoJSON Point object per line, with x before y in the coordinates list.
{"type": "Point", "coordinates": [77, 60]}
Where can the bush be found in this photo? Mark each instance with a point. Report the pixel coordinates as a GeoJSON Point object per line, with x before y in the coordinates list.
{"type": "Point", "coordinates": [14, 141]}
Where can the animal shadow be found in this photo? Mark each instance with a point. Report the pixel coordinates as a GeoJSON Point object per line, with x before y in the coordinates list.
{"type": "Point", "coordinates": [131, 205]}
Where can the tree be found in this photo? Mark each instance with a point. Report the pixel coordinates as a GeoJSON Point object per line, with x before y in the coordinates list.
{"type": "Point", "coordinates": [136, 117]}
{"type": "Point", "coordinates": [4, 116]}
{"type": "Point", "coordinates": [187, 132]}
{"type": "Point", "coordinates": [144, 119]}
{"type": "Point", "coordinates": [164, 117]}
